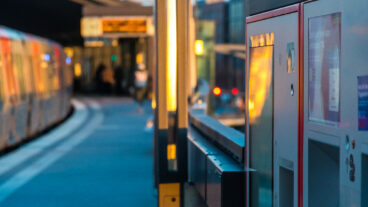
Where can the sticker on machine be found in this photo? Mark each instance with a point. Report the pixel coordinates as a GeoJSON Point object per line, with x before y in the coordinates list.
{"type": "Point", "coordinates": [324, 49]}
{"type": "Point", "coordinates": [333, 99]}
{"type": "Point", "coordinates": [363, 103]}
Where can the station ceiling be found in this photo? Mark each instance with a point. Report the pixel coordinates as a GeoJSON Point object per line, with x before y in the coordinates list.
{"type": "Point", "coordinates": [54, 19]}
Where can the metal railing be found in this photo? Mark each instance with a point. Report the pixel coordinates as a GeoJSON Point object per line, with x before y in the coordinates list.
{"type": "Point", "coordinates": [230, 140]}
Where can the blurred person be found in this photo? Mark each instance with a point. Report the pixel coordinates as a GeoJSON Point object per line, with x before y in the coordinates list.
{"type": "Point", "coordinates": [98, 78]}
{"type": "Point", "coordinates": [149, 88]}
{"type": "Point", "coordinates": [108, 80]}
{"type": "Point", "coordinates": [140, 86]}
{"type": "Point", "coordinates": [119, 80]}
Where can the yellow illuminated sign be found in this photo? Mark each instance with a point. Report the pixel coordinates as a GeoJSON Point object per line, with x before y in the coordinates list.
{"type": "Point", "coordinates": [96, 43]}
{"type": "Point", "coordinates": [262, 40]}
{"type": "Point", "coordinates": [124, 25]}
{"type": "Point", "coordinates": [91, 27]}
{"type": "Point", "coordinates": [139, 58]}
{"type": "Point", "coordinates": [199, 48]}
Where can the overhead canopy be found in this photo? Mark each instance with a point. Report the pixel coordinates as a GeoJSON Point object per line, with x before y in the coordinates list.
{"type": "Point", "coordinates": [116, 7]}
{"type": "Point", "coordinates": [60, 19]}
{"type": "Point", "coordinates": [125, 10]}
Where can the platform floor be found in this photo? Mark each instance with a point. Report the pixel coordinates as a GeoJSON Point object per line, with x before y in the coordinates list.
{"type": "Point", "coordinates": [100, 156]}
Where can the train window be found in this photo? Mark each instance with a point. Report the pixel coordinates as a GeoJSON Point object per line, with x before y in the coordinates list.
{"type": "Point", "coordinates": [217, 38]}
{"type": "Point", "coordinates": [2, 92]}
{"type": "Point", "coordinates": [19, 73]}
{"type": "Point", "coordinates": [56, 65]}
{"type": "Point", "coordinates": [45, 70]}
{"type": "Point", "coordinates": [261, 125]}
{"type": "Point", "coordinates": [11, 85]}
{"type": "Point", "coordinates": [36, 60]}
{"type": "Point", "coordinates": [34, 73]}
{"type": "Point", "coordinates": [47, 63]}
{"type": "Point", "coordinates": [50, 70]}
{"type": "Point", "coordinates": [34, 69]}
{"type": "Point", "coordinates": [26, 68]}
{"type": "Point", "coordinates": [10, 77]}
{"type": "Point", "coordinates": [31, 73]}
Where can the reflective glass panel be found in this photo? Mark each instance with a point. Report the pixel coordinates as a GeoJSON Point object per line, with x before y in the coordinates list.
{"type": "Point", "coordinates": [217, 36]}
{"type": "Point", "coordinates": [261, 125]}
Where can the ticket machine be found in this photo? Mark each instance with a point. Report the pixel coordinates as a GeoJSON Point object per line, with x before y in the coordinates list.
{"type": "Point", "coordinates": [307, 95]}
{"type": "Point", "coordinates": [335, 103]}
{"type": "Point", "coordinates": [273, 109]}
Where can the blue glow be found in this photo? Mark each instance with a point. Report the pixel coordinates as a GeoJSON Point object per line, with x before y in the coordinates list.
{"type": "Point", "coordinates": [46, 57]}
{"type": "Point", "coordinates": [68, 60]}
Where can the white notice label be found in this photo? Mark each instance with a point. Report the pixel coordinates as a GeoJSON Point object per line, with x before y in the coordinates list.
{"type": "Point", "coordinates": [333, 100]}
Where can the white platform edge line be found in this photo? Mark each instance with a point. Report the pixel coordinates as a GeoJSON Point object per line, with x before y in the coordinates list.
{"type": "Point", "coordinates": [25, 175]}
{"type": "Point", "coordinates": [24, 153]}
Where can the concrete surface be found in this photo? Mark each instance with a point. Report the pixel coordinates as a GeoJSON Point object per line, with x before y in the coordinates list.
{"type": "Point", "coordinates": [104, 160]}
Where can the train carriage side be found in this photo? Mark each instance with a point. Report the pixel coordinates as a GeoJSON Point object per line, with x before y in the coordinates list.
{"type": "Point", "coordinates": [53, 84]}
{"type": "Point", "coordinates": [68, 85]}
{"type": "Point", "coordinates": [62, 85]}
{"type": "Point", "coordinates": [48, 57]}
{"type": "Point", "coordinates": [56, 81]}
{"type": "Point", "coordinates": [46, 102]}
{"type": "Point", "coordinates": [35, 85]}
{"type": "Point", "coordinates": [12, 88]}
{"type": "Point", "coordinates": [28, 80]}
{"type": "Point", "coordinates": [37, 112]}
{"type": "Point", "coordinates": [33, 105]}
{"type": "Point", "coordinates": [4, 101]}
{"type": "Point", "coordinates": [21, 109]}
{"type": "Point", "coordinates": [65, 83]}
{"type": "Point", "coordinates": [60, 66]}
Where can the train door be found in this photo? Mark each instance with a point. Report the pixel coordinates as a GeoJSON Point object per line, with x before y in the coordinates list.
{"type": "Point", "coordinates": [272, 134]}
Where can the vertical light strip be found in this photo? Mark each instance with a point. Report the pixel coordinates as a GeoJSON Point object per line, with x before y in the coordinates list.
{"type": "Point", "coordinates": [171, 55]}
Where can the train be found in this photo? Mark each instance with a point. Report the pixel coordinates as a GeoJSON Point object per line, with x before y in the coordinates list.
{"type": "Point", "coordinates": [35, 86]}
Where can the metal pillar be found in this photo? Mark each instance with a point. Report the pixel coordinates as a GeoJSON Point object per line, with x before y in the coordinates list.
{"type": "Point", "coordinates": [170, 137]}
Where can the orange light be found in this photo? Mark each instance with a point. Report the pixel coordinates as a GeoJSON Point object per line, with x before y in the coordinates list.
{"type": "Point", "coordinates": [250, 105]}
{"type": "Point", "coordinates": [77, 70]}
{"type": "Point", "coordinates": [260, 80]}
{"type": "Point", "coordinates": [216, 91]}
{"type": "Point", "coordinates": [171, 151]}
{"type": "Point", "coordinates": [235, 91]}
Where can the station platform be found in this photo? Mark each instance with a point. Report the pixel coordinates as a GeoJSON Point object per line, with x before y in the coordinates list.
{"type": "Point", "coordinates": [100, 156]}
